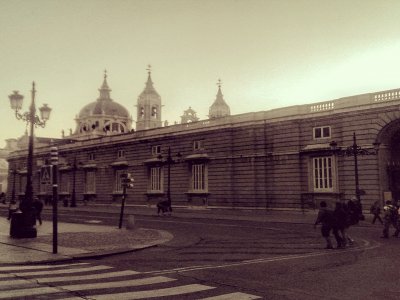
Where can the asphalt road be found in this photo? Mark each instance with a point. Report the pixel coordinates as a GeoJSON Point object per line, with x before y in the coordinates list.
{"type": "Point", "coordinates": [274, 261]}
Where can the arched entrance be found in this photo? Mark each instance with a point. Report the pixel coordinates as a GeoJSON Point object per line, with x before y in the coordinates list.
{"type": "Point", "coordinates": [389, 158]}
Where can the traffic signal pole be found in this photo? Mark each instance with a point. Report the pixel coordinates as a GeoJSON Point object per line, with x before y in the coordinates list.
{"type": "Point", "coordinates": [127, 182]}
{"type": "Point", "coordinates": [54, 162]}
{"type": "Point", "coordinates": [121, 216]}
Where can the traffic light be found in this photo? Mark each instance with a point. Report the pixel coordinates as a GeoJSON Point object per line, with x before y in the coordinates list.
{"type": "Point", "coordinates": [127, 180]}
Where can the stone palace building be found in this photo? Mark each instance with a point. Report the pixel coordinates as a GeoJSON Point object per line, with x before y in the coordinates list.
{"type": "Point", "coordinates": [289, 157]}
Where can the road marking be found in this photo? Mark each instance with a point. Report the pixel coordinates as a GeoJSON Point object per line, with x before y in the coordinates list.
{"type": "Point", "coordinates": [173, 291]}
{"type": "Point", "coordinates": [28, 292]}
{"type": "Point", "coordinates": [236, 296]}
{"type": "Point", "coordinates": [366, 246]}
{"type": "Point", "coordinates": [63, 271]}
{"type": "Point", "coordinates": [15, 282]}
{"type": "Point", "coordinates": [117, 284]}
{"type": "Point", "coordinates": [87, 277]}
{"type": "Point", "coordinates": [18, 268]}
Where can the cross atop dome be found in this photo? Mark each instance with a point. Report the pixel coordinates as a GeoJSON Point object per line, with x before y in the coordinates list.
{"type": "Point", "coordinates": [104, 90]}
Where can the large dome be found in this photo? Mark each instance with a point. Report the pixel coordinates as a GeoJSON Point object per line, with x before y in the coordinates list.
{"type": "Point", "coordinates": [105, 107]}
{"type": "Point", "coordinates": [102, 117]}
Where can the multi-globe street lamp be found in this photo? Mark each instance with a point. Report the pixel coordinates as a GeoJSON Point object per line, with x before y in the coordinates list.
{"type": "Point", "coordinates": [23, 226]}
{"type": "Point", "coordinates": [354, 151]}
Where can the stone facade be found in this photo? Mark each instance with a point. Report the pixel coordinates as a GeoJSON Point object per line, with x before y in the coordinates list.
{"type": "Point", "coordinates": [281, 158]}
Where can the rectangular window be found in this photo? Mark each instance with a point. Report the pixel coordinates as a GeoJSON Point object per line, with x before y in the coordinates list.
{"type": "Point", "coordinates": [199, 178]}
{"type": "Point", "coordinates": [322, 132]}
{"type": "Point", "coordinates": [198, 145]}
{"type": "Point", "coordinates": [64, 182]}
{"type": "Point", "coordinates": [156, 183]}
{"type": "Point", "coordinates": [90, 182]}
{"type": "Point", "coordinates": [91, 156]}
{"type": "Point", "coordinates": [156, 150]}
{"type": "Point", "coordinates": [121, 154]}
{"type": "Point", "coordinates": [322, 167]}
{"type": "Point", "coordinates": [118, 181]}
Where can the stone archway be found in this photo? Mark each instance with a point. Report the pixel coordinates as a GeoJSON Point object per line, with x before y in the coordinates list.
{"type": "Point", "coordinates": [389, 159]}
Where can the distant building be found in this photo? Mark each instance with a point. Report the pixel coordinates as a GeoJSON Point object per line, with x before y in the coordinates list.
{"type": "Point", "coordinates": [280, 158]}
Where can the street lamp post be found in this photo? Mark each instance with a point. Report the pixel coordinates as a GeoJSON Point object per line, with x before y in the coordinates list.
{"type": "Point", "coordinates": [73, 197]}
{"type": "Point", "coordinates": [169, 161]}
{"type": "Point", "coordinates": [354, 151]}
{"type": "Point", "coordinates": [14, 173]}
{"type": "Point", "coordinates": [23, 225]}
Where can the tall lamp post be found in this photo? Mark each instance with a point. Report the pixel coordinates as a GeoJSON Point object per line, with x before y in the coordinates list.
{"type": "Point", "coordinates": [23, 225]}
{"type": "Point", "coordinates": [354, 151]}
{"type": "Point", "coordinates": [169, 161]}
{"type": "Point", "coordinates": [73, 196]}
{"type": "Point", "coordinates": [14, 173]}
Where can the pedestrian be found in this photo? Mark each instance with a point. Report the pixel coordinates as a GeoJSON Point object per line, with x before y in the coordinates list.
{"type": "Point", "coordinates": [12, 208]}
{"type": "Point", "coordinates": [341, 224]}
{"type": "Point", "coordinates": [326, 219]}
{"type": "Point", "coordinates": [390, 218]}
{"type": "Point", "coordinates": [164, 206]}
{"type": "Point", "coordinates": [38, 207]}
{"type": "Point", "coordinates": [376, 211]}
{"type": "Point", "coordinates": [354, 214]}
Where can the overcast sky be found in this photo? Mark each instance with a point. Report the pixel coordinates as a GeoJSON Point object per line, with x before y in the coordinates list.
{"type": "Point", "coordinates": [267, 53]}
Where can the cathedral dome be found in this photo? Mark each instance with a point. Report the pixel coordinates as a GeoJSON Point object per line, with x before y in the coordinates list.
{"type": "Point", "coordinates": [103, 107]}
{"type": "Point", "coordinates": [102, 117]}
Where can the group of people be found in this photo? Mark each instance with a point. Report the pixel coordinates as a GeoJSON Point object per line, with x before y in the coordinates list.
{"type": "Point", "coordinates": [338, 221]}
{"type": "Point", "coordinates": [347, 214]}
{"type": "Point", "coordinates": [37, 207]}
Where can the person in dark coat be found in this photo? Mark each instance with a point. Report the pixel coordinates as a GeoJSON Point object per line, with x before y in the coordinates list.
{"type": "Point", "coordinates": [341, 223]}
{"type": "Point", "coordinates": [164, 206]}
{"type": "Point", "coordinates": [326, 219]}
{"type": "Point", "coordinates": [376, 211]}
{"type": "Point", "coordinates": [38, 207]}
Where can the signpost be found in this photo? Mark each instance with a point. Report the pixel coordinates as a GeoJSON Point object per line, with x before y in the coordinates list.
{"type": "Point", "coordinates": [54, 163]}
{"type": "Point", "coordinates": [127, 182]}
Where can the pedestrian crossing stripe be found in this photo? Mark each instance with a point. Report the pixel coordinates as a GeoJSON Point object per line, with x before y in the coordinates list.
{"type": "Point", "coordinates": [64, 271]}
{"type": "Point", "coordinates": [15, 287]}
{"type": "Point", "coordinates": [35, 267]}
{"type": "Point", "coordinates": [236, 296]}
{"type": "Point", "coordinates": [172, 291]}
{"type": "Point", "coordinates": [117, 284]}
{"type": "Point", "coordinates": [87, 277]}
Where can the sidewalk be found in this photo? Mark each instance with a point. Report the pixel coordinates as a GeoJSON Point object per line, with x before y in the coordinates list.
{"type": "Point", "coordinates": [87, 240]}
{"type": "Point", "coordinates": [75, 241]}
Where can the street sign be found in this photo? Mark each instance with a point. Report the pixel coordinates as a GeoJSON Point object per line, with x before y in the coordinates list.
{"type": "Point", "coordinates": [45, 174]}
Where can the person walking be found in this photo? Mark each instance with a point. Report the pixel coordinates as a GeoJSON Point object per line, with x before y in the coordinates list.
{"type": "Point", "coordinates": [341, 224]}
{"type": "Point", "coordinates": [38, 207]}
{"type": "Point", "coordinates": [390, 218]}
{"type": "Point", "coordinates": [326, 219]}
{"type": "Point", "coordinates": [376, 211]}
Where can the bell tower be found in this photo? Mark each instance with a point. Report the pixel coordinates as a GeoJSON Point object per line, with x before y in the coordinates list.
{"type": "Point", "coordinates": [148, 106]}
{"type": "Point", "coordinates": [219, 108]}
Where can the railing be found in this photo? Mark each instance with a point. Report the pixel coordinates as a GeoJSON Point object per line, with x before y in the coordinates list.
{"type": "Point", "coordinates": [387, 95]}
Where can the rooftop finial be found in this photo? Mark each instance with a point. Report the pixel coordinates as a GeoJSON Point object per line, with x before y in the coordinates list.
{"type": "Point", "coordinates": [149, 69]}
{"type": "Point", "coordinates": [105, 74]}
{"type": "Point", "coordinates": [219, 83]}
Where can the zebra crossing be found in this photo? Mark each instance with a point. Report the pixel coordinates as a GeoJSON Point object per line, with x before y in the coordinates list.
{"type": "Point", "coordinates": [86, 281]}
